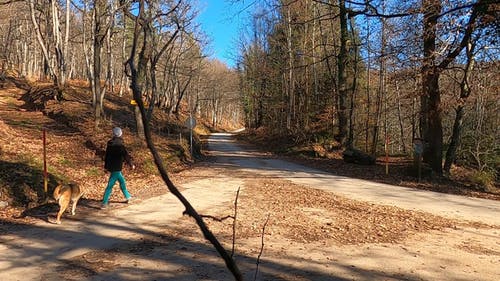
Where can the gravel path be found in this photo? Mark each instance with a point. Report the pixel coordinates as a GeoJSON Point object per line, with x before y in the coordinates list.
{"type": "Point", "coordinates": [451, 206]}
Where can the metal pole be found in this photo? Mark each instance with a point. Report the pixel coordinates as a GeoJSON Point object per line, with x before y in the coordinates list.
{"type": "Point", "coordinates": [191, 141]}
{"type": "Point", "coordinates": [191, 134]}
{"type": "Point", "coordinates": [45, 180]}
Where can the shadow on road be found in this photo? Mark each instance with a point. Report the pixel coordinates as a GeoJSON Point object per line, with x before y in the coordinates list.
{"type": "Point", "coordinates": [141, 255]}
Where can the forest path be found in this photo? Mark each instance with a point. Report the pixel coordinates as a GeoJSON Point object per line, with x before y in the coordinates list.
{"type": "Point", "coordinates": [231, 154]}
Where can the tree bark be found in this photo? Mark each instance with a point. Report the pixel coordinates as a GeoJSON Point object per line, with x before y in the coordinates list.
{"type": "Point", "coordinates": [138, 72]}
{"type": "Point", "coordinates": [380, 93]}
{"type": "Point", "coordinates": [291, 85]}
{"type": "Point", "coordinates": [459, 110]}
{"type": "Point", "coordinates": [98, 39]}
{"type": "Point", "coordinates": [350, 139]}
{"type": "Point", "coordinates": [41, 42]}
{"type": "Point", "coordinates": [400, 118]}
{"type": "Point", "coordinates": [368, 85]}
{"type": "Point", "coordinates": [431, 121]}
{"type": "Point", "coordinates": [342, 62]}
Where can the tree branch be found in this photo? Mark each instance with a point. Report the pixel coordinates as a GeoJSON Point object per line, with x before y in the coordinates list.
{"type": "Point", "coordinates": [479, 8]}
{"type": "Point", "coordinates": [261, 247]}
{"type": "Point", "coordinates": [136, 86]}
{"type": "Point", "coordinates": [234, 221]}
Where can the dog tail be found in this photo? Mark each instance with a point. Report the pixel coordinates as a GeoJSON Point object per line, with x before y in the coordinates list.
{"type": "Point", "coordinates": [57, 192]}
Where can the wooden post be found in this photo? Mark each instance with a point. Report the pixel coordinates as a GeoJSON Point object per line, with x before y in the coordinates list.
{"type": "Point", "coordinates": [387, 155]}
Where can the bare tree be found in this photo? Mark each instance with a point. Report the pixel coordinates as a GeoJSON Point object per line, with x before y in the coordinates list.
{"type": "Point", "coordinates": [140, 54]}
{"type": "Point", "coordinates": [431, 121]}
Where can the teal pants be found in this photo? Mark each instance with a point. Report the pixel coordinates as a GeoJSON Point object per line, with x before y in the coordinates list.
{"type": "Point", "coordinates": [115, 176]}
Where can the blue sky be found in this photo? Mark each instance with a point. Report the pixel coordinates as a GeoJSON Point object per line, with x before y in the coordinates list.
{"type": "Point", "coordinates": [221, 21]}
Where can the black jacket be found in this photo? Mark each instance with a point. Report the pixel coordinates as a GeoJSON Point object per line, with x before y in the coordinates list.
{"type": "Point", "coordinates": [116, 154]}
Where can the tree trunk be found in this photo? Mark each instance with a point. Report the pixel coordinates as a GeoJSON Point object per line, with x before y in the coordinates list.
{"type": "Point", "coordinates": [431, 121]}
{"type": "Point", "coordinates": [89, 57]}
{"type": "Point", "coordinates": [48, 67]}
{"type": "Point", "coordinates": [400, 118]}
{"type": "Point", "coordinates": [350, 139]}
{"type": "Point", "coordinates": [380, 93]}
{"type": "Point", "coordinates": [431, 70]}
{"type": "Point", "coordinates": [123, 78]}
{"type": "Point", "coordinates": [59, 52]}
{"type": "Point", "coordinates": [291, 93]}
{"type": "Point", "coordinates": [97, 75]}
{"type": "Point", "coordinates": [100, 32]}
{"type": "Point", "coordinates": [66, 45]}
{"type": "Point", "coordinates": [368, 84]}
{"type": "Point", "coordinates": [138, 122]}
{"type": "Point", "coordinates": [457, 124]}
{"type": "Point", "coordinates": [342, 62]}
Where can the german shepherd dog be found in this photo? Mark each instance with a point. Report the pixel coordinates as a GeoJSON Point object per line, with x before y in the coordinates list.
{"type": "Point", "coordinates": [64, 194]}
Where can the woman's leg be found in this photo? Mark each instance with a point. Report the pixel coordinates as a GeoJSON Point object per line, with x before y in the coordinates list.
{"type": "Point", "coordinates": [111, 182]}
{"type": "Point", "coordinates": [123, 185]}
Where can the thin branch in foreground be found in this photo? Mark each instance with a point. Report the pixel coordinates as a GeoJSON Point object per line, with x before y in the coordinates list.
{"type": "Point", "coordinates": [261, 247]}
{"type": "Point", "coordinates": [137, 76]}
{"type": "Point", "coordinates": [225, 218]}
{"type": "Point", "coordinates": [213, 217]}
{"type": "Point", "coordinates": [230, 264]}
{"type": "Point", "coordinates": [234, 221]}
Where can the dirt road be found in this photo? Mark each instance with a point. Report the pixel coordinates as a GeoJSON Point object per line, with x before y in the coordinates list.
{"type": "Point", "coordinates": [150, 240]}
{"type": "Point", "coordinates": [452, 206]}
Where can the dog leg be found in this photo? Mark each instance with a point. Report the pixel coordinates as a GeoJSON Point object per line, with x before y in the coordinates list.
{"type": "Point", "coordinates": [63, 204]}
{"type": "Point", "coordinates": [73, 208]}
{"type": "Point", "coordinates": [75, 201]}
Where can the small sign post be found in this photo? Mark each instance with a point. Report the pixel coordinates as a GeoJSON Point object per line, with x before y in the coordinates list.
{"type": "Point", "coordinates": [418, 150]}
{"type": "Point", "coordinates": [190, 123]}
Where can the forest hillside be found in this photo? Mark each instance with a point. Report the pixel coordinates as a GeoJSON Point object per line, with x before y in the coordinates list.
{"type": "Point", "coordinates": [74, 146]}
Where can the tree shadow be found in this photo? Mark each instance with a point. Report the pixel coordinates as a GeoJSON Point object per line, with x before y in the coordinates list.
{"type": "Point", "coordinates": [98, 151]}
{"type": "Point", "coordinates": [18, 82]}
{"type": "Point", "coordinates": [24, 183]}
{"type": "Point", "coordinates": [95, 246]}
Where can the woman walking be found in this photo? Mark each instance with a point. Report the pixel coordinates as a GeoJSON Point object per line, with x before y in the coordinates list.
{"type": "Point", "coordinates": [116, 154]}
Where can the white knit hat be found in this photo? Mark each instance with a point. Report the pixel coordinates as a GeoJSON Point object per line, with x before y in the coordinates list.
{"type": "Point", "coordinates": [117, 132]}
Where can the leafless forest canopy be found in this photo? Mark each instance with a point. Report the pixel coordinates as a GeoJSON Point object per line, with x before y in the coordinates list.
{"type": "Point", "coordinates": [345, 74]}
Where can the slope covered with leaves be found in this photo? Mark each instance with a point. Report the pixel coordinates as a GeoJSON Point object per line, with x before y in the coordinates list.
{"type": "Point", "coordinates": [74, 145]}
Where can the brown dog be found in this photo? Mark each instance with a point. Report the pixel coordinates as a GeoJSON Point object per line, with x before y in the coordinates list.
{"type": "Point", "coordinates": [64, 194]}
